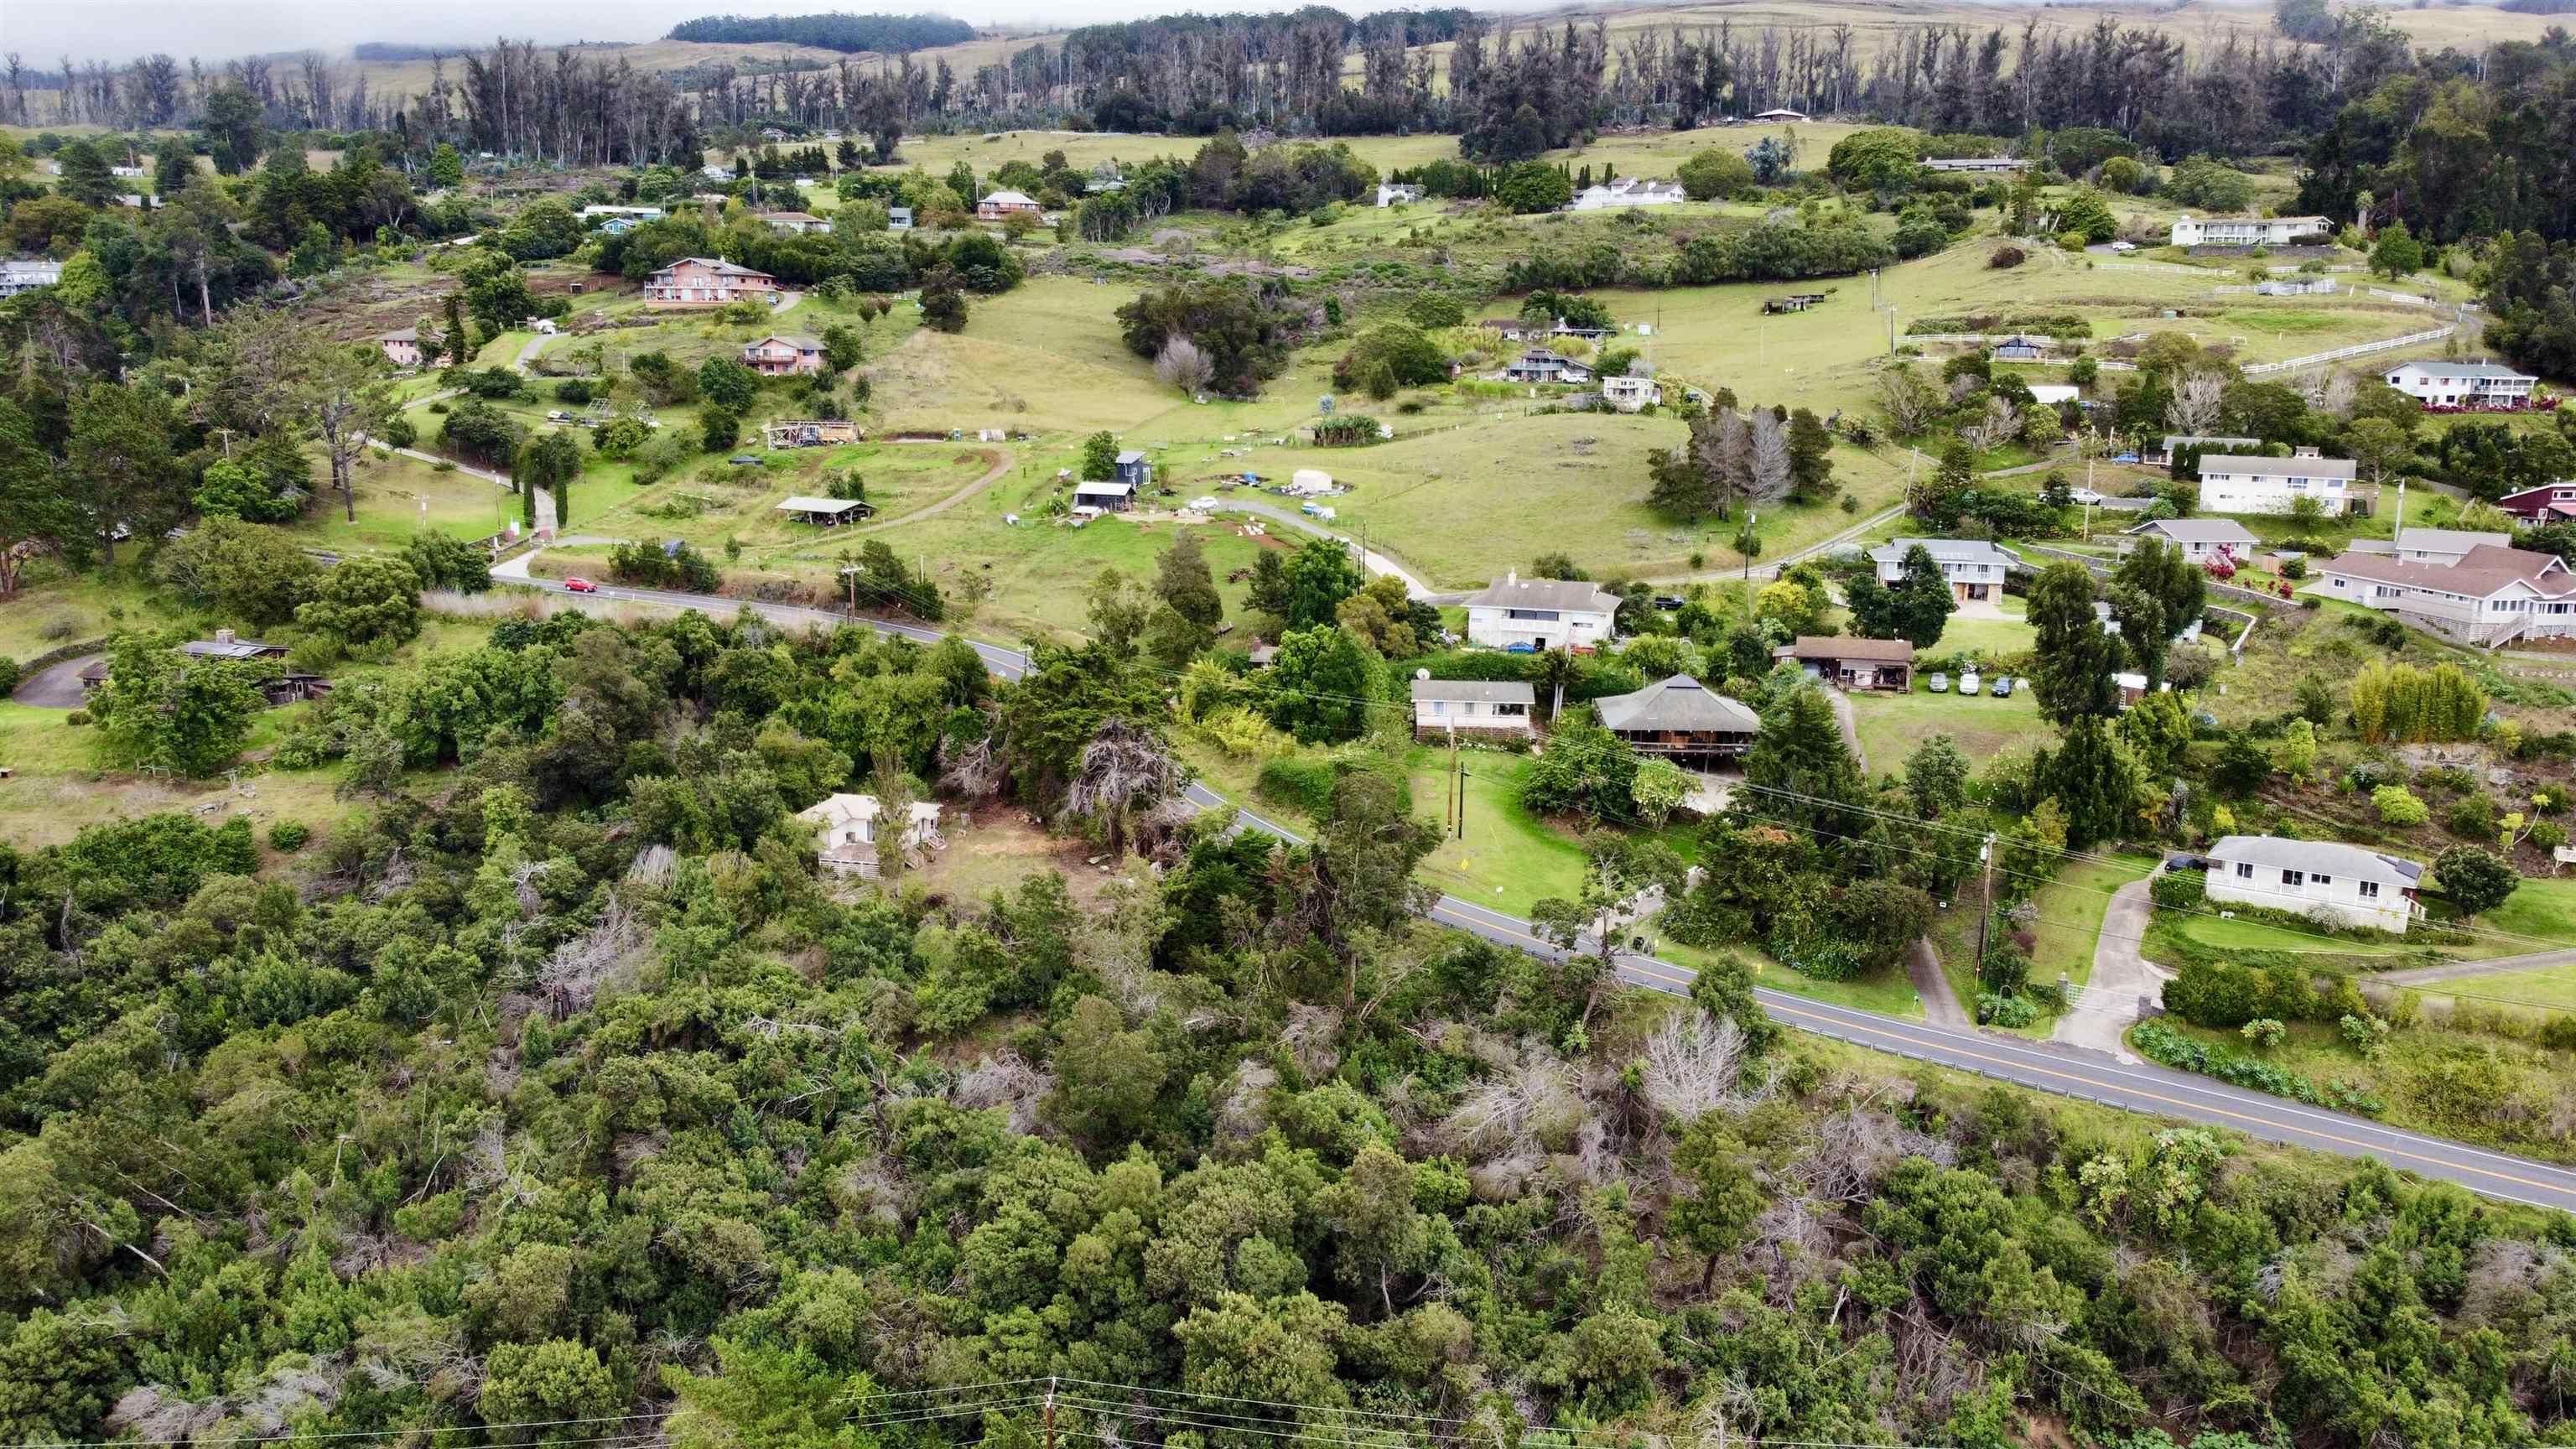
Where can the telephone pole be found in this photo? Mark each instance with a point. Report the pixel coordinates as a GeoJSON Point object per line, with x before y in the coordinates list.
{"type": "Point", "coordinates": [1452, 816]}
{"type": "Point", "coordinates": [1985, 896]}
{"type": "Point", "coordinates": [1050, 1413]}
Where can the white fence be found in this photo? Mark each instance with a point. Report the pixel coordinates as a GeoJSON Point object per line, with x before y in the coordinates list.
{"type": "Point", "coordinates": [2407, 297]}
{"type": "Point", "coordinates": [2295, 364]}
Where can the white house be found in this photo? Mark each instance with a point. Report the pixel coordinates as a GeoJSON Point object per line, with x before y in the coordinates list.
{"type": "Point", "coordinates": [1392, 194]}
{"type": "Point", "coordinates": [1547, 613]}
{"type": "Point", "coordinates": [2462, 384]}
{"type": "Point", "coordinates": [2489, 596]}
{"type": "Point", "coordinates": [793, 223]}
{"type": "Point", "coordinates": [847, 843]}
{"type": "Point", "coordinates": [26, 276]}
{"type": "Point", "coordinates": [2200, 539]}
{"type": "Point", "coordinates": [2236, 483]}
{"type": "Point", "coordinates": [636, 213]}
{"type": "Point", "coordinates": [1627, 191]}
{"type": "Point", "coordinates": [1472, 707]}
{"type": "Point", "coordinates": [1973, 568]}
{"type": "Point", "coordinates": [2247, 231]}
{"type": "Point", "coordinates": [1004, 203]}
{"type": "Point", "coordinates": [2442, 546]}
{"type": "Point", "coordinates": [2342, 883]}
{"type": "Point", "coordinates": [1975, 165]}
{"type": "Point", "coordinates": [1539, 364]}
{"type": "Point", "coordinates": [1630, 393]}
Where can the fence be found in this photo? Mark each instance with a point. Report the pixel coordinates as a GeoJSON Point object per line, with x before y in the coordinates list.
{"type": "Point", "coordinates": [2264, 369]}
{"type": "Point", "coordinates": [2158, 267]}
{"type": "Point", "coordinates": [2407, 297]}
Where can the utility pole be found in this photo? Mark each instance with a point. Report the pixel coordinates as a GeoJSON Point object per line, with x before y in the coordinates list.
{"type": "Point", "coordinates": [1451, 817]}
{"type": "Point", "coordinates": [2399, 526]}
{"type": "Point", "coordinates": [1985, 896]}
{"type": "Point", "coordinates": [1050, 1412]}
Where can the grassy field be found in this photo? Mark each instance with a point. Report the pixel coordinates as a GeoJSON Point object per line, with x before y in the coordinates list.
{"type": "Point", "coordinates": [397, 497]}
{"type": "Point", "coordinates": [54, 607]}
{"type": "Point", "coordinates": [1509, 858]}
{"type": "Point", "coordinates": [1889, 991]}
{"type": "Point", "coordinates": [2071, 908]}
{"type": "Point", "coordinates": [717, 501]}
{"type": "Point", "coordinates": [2553, 987]}
{"type": "Point", "coordinates": [2542, 909]}
{"type": "Point", "coordinates": [1891, 725]}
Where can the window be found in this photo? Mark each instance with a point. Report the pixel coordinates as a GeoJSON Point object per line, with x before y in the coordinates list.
{"type": "Point", "coordinates": [2323, 880]}
{"type": "Point", "coordinates": [1548, 615]}
{"type": "Point", "coordinates": [2369, 890]}
{"type": "Point", "coordinates": [2244, 870]}
{"type": "Point", "coordinates": [1439, 707]}
{"type": "Point", "coordinates": [2291, 878]}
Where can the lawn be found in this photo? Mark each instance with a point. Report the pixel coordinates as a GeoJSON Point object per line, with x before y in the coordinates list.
{"type": "Point", "coordinates": [56, 789]}
{"type": "Point", "coordinates": [716, 501]}
{"type": "Point", "coordinates": [2071, 908]}
{"type": "Point", "coordinates": [2541, 907]}
{"type": "Point", "coordinates": [1508, 857]}
{"type": "Point", "coordinates": [396, 498]}
{"type": "Point", "coordinates": [54, 607]}
{"type": "Point", "coordinates": [1042, 357]}
{"type": "Point", "coordinates": [1889, 992]}
{"type": "Point", "coordinates": [2552, 987]}
{"type": "Point", "coordinates": [1891, 725]}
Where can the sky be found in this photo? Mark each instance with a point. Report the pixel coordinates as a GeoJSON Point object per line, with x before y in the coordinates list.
{"type": "Point", "coordinates": [43, 31]}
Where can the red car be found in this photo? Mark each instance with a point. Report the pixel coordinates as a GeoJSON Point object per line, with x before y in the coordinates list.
{"type": "Point", "coordinates": [580, 585]}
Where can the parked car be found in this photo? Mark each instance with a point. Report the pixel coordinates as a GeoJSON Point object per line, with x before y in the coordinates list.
{"type": "Point", "coordinates": [1206, 504]}
{"type": "Point", "coordinates": [2003, 687]}
{"type": "Point", "coordinates": [2124, 457]}
{"type": "Point", "coordinates": [1940, 684]}
{"type": "Point", "coordinates": [2124, 248]}
{"type": "Point", "coordinates": [579, 585]}
{"type": "Point", "coordinates": [1968, 682]}
{"type": "Point", "coordinates": [2084, 495]}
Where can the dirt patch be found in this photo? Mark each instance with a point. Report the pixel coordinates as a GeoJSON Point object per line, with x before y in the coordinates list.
{"type": "Point", "coordinates": [996, 846]}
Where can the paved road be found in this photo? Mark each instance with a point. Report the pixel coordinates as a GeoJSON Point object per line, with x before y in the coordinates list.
{"type": "Point", "coordinates": [56, 686]}
{"type": "Point", "coordinates": [2043, 1066]}
{"type": "Point", "coordinates": [2121, 975]}
{"type": "Point", "coordinates": [2493, 966]}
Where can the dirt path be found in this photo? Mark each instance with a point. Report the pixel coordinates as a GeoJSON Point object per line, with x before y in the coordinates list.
{"type": "Point", "coordinates": [1940, 1004]}
{"type": "Point", "coordinates": [992, 475]}
{"type": "Point", "coordinates": [1377, 563]}
{"type": "Point", "coordinates": [2121, 975]}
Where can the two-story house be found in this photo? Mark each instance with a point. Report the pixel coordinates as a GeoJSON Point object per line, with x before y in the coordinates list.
{"type": "Point", "coordinates": [2343, 883]}
{"type": "Point", "coordinates": [2248, 231]}
{"type": "Point", "coordinates": [2443, 546]}
{"type": "Point", "coordinates": [1134, 469]}
{"type": "Point", "coordinates": [1485, 707]}
{"type": "Point", "coordinates": [18, 276]}
{"type": "Point", "coordinates": [1538, 364]}
{"type": "Point", "coordinates": [1973, 568]}
{"type": "Point", "coordinates": [1541, 613]}
{"type": "Point", "coordinates": [1680, 717]}
{"type": "Point", "coordinates": [2463, 384]}
{"type": "Point", "coordinates": [2238, 483]}
{"type": "Point", "coordinates": [2489, 596]}
{"type": "Point", "coordinates": [707, 282]}
{"type": "Point", "coordinates": [2548, 503]}
{"type": "Point", "coordinates": [1006, 203]}
{"type": "Point", "coordinates": [1630, 393]}
{"type": "Point", "coordinates": [406, 347]}
{"type": "Point", "coordinates": [783, 354]}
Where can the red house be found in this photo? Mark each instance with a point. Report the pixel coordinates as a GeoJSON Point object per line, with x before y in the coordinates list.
{"type": "Point", "coordinates": [2548, 503]}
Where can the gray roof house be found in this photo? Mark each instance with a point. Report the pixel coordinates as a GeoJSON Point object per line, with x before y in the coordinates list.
{"type": "Point", "coordinates": [1541, 613]}
{"type": "Point", "coordinates": [1680, 716]}
{"type": "Point", "coordinates": [2197, 537]}
{"type": "Point", "coordinates": [1973, 568]}
{"type": "Point", "coordinates": [2431, 545]}
{"type": "Point", "coordinates": [1498, 707]}
{"type": "Point", "coordinates": [2347, 884]}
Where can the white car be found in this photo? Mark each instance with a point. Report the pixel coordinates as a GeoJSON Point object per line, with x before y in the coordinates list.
{"type": "Point", "coordinates": [1203, 505]}
{"type": "Point", "coordinates": [2124, 248]}
{"type": "Point", "coordinates": [2085, 495]}
{"type": "Point", "coordinates": [1968, 685]}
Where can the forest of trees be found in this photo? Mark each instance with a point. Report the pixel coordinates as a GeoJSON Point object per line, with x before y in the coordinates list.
{"type": "Point", "coordinates": [888, 34]}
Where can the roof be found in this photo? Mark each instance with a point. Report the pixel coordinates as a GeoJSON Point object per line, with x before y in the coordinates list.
{"type": "Point", "coordinates": [2482, 572]}
{"type": "Point", "coordinates": [2195, 440]}
{"type": "Point", "coordinates": [1558, 594]}
{"type": "Point", "coordinates": [407, 334]}
{"type": "Point", "coordinates": [717, 265]}
{"type": "Point", "coordinates": [1008, 198]}
{"type": "Point", "coordinates": [837, 808]}
{"type": "Point", "coordinates": [1484, 691]}
{"type": "Point", "coordinates": [1131, 456]}
{"type": "Point", "coordinates": [2466, 369]}
{"type": "Point", "coordinates": [2302, 467]}
{"type": "Point", "coordinates": [1851, 646]}
{"type": "Point", "coordinates": [788, 216]}
{"type": "Point", "coordinates": [804, 503]}
{"type": "Point", "coordinates": [1096, 485]}
{"type": "Point", "coordinates": [1678, 703]}
{"type": "Point", "coordinates": [2198, 530]}
{"type": "Point", "coordinates": [229, 648]}
{"type": "Point", "coordinates": [1946, 550]}
{"type": "Point", "coordinates": [2450, 540]}
{"type": "Point", "coordinates": [797, 340]}
{"type": "Point", "coordinates": [2205, 220]}
{"type": "Point", "coordinates": [2317, 857]}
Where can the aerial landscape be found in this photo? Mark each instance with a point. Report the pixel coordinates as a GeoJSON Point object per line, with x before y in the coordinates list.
{"type": "Point", "coordinates": [1847, 724]}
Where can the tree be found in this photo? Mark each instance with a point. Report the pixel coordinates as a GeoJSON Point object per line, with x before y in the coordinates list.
{"type": "Point", "coordinates": [1319, 576]}
{"type": "Point", "coordinates": [1713, 175]}
{"type": "Point", "coordinates": [38, 514]}
{"type": "Point", "coordinates": [1911, 404]}
{"type": "Point", "coordinates": [943, 301]}
{"type": "Point", "coordinates": [347, 398]}
{"type": "Point", "coordinates": [122, 470]}
{"type": "Point", "coordinates": [363, 601]}
{"type": "Point", "coordinates": [549, 462]}
{"type": "Point", "coordinates": [1381, 617]}
{"type": "Point", "coordinates": [249, 574]}
{"type": "Point", "coordinates": [2475, 879]}
{"type": "Point", "coordinates": [85, 175]}
{"type": "Point", "coordinates": [1241, 331]}
{"type": "Point", "coordinates": [236, 127]}
{"type": "Point", "coordinates": [1184, 583]}
{"type": "Point", "coordinates": [1181, 365]}
{"type": "Point", "coordinates": [1107, 1077]}
{"type": "Point", "coordinates": [1533, 186]}
{"type": "Point", "coordinates": [1395, 350]}
{"type": "Point", "coordinates": [168, 711]}
{"type": "Point", "coordinates": [1124, 770]}
{"type": "Point", "coordinates": [2380, 447]}
{"type": "Point", "coordinates": [2396, 253]}
{"type": "Point", "coordinates": [1811, 460]}
{"type": "Point", "coordinates": [1936, 777]}
{"type": "Point", "coordinates": [1322, 680]}
{"type": "Point", "coordinates": [1379, 1235]}
{"type": "Point", "coordinates": [728, 384]}
{"type": "Point", "coordinates": [1922, 599]}
{"type": "Point", "coordinates": [2076, 659]}
{"type": "Point", "coordinates": [1100, 455]}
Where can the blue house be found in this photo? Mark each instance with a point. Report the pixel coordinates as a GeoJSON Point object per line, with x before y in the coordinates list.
{"type": "Point", "coordinates": [1134, 469]}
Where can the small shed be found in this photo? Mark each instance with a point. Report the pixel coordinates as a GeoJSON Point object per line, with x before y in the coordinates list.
{"type": "Point", "coordinates": [1108, 497]}
{"type": "Point", "coordinates": [825, 512]}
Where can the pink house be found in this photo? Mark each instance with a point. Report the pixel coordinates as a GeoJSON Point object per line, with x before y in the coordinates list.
{"type": "Point", "coordinates": [406, 347]}
{"type": "Point", "coordinates": [707, 282]}
{"type": "Point", "coordinates": [782, 354]}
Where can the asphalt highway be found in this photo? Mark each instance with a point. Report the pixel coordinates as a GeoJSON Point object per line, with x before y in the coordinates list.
{"type": "Point", "coordinates": [2042, 1066]}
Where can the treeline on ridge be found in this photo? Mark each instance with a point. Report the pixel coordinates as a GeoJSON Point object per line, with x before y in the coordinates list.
{"type": "Point", "coordinates": [893, 34]}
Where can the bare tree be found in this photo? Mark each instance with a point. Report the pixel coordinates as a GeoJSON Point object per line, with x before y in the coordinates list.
{"type": "Point", "coordinates": [1909, 402]}
{"type": "Point", "coordinates": [1183, 366]}
{"type": "Point", "coordinates": [1123, 769]}
{"type": "Point", "coordinates": [1768, 457]}
{"type": "Point", "coordinates": [2193, 411]}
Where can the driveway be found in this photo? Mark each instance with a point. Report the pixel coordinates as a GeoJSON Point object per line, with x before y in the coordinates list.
{"type": "Point", "coordinates": [2121, 975]}
{"type": "Point", "coordinates": [1376, 562]}
{"type": "Point", "coordinates": [56, 686]}
{"type": "Point", "coordinates": [2429, 975]}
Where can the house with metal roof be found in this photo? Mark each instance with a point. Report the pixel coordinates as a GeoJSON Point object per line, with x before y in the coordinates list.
{"type": "Point", "coordinates": [1680, 716]}
{"type": "Point", "coordinates": [1540, 613]}
{"type": "Point", "coordinates": [2443, 546]}
{"type": "Point", "coordinates": [1495, 708]}
{"type": "Point", "coordinates": [824, 512]}
{"type": "Point", "coordinates": [2249, 231]}
{"type": "Point", "coordinates": [2548, 503]}
{"type": "Point", "coordinates": [2165, 448]}
{"type": "Point", "coordinates": [2236, 483]}
{"type": "Point", "coordinates": [1107, 495]}
{"type": "Point", "coordinates": [1973, 568]}
{"type": "Point", "coordinates": [1848, 661]}
{"type": "Point", "coordinates": [2199, 539]}
{"type": "Point", "coordinates": [707, 282]}
{"type": "Point", "coordinates": [2345, 884]}
{"type": "Point", "coordinates": [2462, 384]}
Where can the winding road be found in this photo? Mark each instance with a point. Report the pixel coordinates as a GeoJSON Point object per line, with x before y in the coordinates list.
{"type": "Point", "coordinates": [2068, 1071]}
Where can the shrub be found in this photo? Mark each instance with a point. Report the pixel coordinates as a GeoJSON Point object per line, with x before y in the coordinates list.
{"type": "Point", "coordinates": [9, 675]}
{"type": "Point", "coordinates": [77, 718]}
{"type": "Point", "coordinates": [2158, 1042]}
{"type": "Point", "coordinates": [1303, 782]}
{"type": "Point", "coordinates": [573, 390]}
{"type": "Point", "coordinates": [2265, 1031]}
{"type": "Point", "coordinates": [2398, 806]}
{"type": "Point", "coordinates": [2180, 890]}
{"type": "Point", "coordinates": [2363, 1033]}
{"type": "Point", "coordinates": [2471, 817]}
{"type": "Point", "coordinates": [289, 835]}
{"type": "Point", "coordinates": [2006, 256]}
{"type": "Point", "coordinates": [2005, 1011]}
